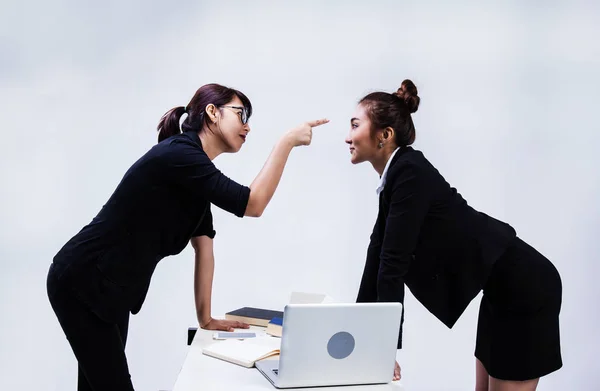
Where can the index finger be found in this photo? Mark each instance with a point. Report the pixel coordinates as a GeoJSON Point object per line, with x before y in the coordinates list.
{"type": "Point", "coordinates": [317, 122]}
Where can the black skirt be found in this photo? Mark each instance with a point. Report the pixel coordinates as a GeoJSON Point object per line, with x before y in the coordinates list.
{"type": "Point", "coordinates": [518, 328]}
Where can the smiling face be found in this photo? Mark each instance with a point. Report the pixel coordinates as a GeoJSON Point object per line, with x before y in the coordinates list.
{"type": "Point", "coordinates": [229, 124]}
{"type": "Point", "coordinates": [360, 139]}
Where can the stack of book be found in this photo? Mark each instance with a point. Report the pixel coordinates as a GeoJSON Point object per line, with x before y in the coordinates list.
{"type": "Point", "coordinates": [271, 319]}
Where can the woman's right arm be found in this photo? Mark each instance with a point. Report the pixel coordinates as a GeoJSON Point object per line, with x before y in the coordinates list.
{"type": "Point", "coordinates": [264, 185]}
{"type": "Point", "coordinates": [190, 169]}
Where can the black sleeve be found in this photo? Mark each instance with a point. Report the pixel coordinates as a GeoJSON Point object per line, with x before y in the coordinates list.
{"type": "Point", "coordinates": [367, 293]}
{"type": "Point", "coordinates": [189, 167]}
{"type": "Point", "coordinates": [408, 207]}
{"type": "Point", "coordinates": [205, 228]}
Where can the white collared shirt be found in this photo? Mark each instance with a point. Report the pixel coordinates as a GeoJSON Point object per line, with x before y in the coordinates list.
{"type": "Point", "coordinates": [383, 176]}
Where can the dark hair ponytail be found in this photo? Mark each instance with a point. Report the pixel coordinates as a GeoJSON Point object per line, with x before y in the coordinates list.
{"type": "Point", "coordinates": [394, 110]}
{"type": "Point", "coordinates": [216, 94]}
{"type": "Point", "coordinates": [169, 123]}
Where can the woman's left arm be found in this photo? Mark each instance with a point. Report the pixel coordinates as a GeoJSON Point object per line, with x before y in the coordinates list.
{"type": "Point", "coordinates": [203, 278]}
{"type": "Point", "coordinates": [409, 203]}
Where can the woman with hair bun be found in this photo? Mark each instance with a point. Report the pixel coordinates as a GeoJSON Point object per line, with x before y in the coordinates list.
{"type": "Point", "coordinates": [428, 238]}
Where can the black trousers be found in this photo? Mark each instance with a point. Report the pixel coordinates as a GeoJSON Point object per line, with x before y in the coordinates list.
{"type": "Point", "coordinates": [99, 346]}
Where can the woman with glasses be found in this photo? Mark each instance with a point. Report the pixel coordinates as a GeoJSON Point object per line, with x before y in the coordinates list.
{"type": "Point", "coordinates": [427, 237]}
{"type": "Point", "coordinates": [163, 202]}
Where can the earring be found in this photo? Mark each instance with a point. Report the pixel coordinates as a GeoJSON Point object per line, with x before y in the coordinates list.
{"type": "Point", "coordinates": [380, 144]}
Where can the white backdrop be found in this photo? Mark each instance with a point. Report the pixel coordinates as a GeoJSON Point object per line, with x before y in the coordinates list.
{"type": "Point", "coordinates": [509, 107]}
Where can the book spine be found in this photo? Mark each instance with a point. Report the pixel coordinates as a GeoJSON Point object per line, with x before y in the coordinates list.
{"type": "Point", "coordinates": [252, 321]}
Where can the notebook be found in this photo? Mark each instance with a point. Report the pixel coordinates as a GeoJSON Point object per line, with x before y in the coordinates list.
{"type": "Point", "coordinates": [310, 298]}
{"type": "Point", "coordinates": [244, 352]}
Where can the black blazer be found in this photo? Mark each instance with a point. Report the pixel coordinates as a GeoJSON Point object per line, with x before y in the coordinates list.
{"type": "Point", "coordinates": [427, 237]}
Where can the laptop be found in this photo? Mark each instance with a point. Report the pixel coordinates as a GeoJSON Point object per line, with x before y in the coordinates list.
{"type": "Point", "coordinates": [335, 344]}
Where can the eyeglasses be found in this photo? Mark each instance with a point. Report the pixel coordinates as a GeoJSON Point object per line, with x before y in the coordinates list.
{"type": "Point", "coordinates": [243, 115]}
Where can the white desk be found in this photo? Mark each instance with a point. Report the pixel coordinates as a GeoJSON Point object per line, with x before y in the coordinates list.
{"type": "Point", "coordinates": [203, 373]}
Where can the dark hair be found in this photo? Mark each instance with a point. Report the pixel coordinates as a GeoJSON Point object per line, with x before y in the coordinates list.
{"type": "Point", "coordinates": [216, 94]}
{"type": "Point", "coordinates": [394, 110]}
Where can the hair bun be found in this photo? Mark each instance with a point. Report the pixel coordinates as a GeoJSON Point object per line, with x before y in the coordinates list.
{"type": "Point", "coordinates": [409, 94]}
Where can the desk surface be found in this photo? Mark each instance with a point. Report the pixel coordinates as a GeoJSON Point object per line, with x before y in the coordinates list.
{"type": "Point", "coordinates": [204, 373]}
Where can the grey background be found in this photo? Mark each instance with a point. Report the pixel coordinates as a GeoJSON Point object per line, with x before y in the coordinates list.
{"type": "Point", "coordinates": [509, 108]}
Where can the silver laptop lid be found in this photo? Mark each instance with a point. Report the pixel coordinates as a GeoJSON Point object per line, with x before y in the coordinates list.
{"type": "Point", "coordinates": [338, 344]}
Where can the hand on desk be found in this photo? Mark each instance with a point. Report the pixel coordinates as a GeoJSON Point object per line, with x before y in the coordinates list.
{"type": "Point", "coordinates": [224, 325]}
{"type": "Point", "coordinates": [397, 375]}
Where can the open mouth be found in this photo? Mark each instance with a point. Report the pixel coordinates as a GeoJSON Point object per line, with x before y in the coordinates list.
{"type": "Point", "coordinates": [243, 137]}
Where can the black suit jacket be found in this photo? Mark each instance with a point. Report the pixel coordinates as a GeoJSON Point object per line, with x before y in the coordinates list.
{"type": "Point", "coordinates": [427, 237]}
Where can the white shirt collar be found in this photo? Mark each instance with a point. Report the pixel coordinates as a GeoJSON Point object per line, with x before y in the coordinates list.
{"type": "Point", "coordinates": [383, 176]}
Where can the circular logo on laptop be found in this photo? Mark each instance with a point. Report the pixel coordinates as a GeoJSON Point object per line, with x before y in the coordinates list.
{"type": "Point", "coordinates": [340, 345]}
